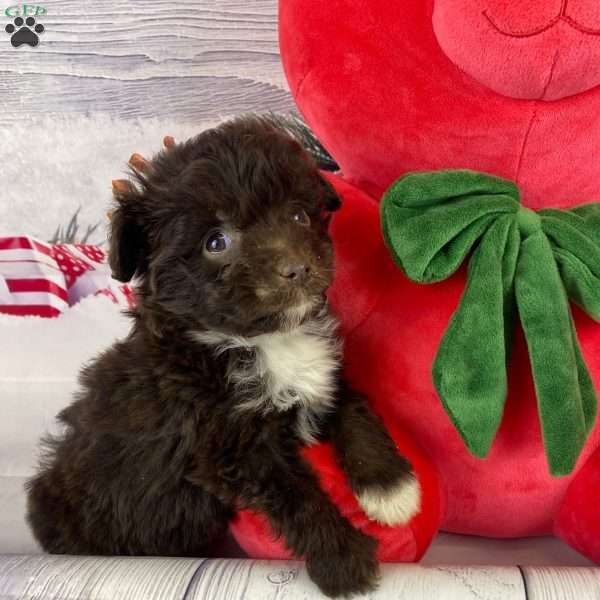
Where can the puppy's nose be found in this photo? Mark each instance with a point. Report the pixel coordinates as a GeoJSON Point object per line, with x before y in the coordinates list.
{"type": "Point", "coordinates": [295, 273]}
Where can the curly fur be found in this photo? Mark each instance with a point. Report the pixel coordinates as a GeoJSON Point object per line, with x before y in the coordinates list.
{"type": "Point", "coordinates": [286, 369]}
{"type": "Point", "coordinates": [230, 367]}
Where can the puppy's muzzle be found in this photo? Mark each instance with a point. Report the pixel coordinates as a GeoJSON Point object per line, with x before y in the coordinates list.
{"type": "Point", "coordinates": [295, 273]}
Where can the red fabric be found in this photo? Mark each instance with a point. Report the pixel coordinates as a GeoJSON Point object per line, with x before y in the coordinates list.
{"type": "Point", "coordinates": [36, 285]}
{"type": "Point", "coordinates": [373, 81]}
{"type": "Point", "coordinates": [40, 279]}
{"type": "Point", "coordinates": [362, 270]}
{"type": "Point", "coordinates": [578, 521]}
{"type": "Point", "coordinates": [432, 85]}
{"type": "Point", "coordinates": [30, 310]}
{"type": "Point", "coordinates": [397, 544]}
{"type": "Point", "coordinates": [31, 281]}
{"type": "Point", "coordinates": [543, 50]}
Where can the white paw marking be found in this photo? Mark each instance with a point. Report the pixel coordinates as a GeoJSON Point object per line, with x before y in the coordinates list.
{"type": "Point", "coordinates": [393, 506]}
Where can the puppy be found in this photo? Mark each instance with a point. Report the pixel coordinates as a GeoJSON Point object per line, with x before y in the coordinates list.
{"type": "Point", "coordinates": [232, 364]}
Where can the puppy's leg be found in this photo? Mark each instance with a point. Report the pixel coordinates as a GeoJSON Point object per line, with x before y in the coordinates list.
{"type": "Point", "coordinates": [185, 521]}
{"type": "Point", "coordinates": [339, 558]}
{"type": "Point", "coordinates": [80, 509]}
{"type": "Point", "coordinates": [382, 480]}
{"type": "Point", "coordinates": [54, 522]}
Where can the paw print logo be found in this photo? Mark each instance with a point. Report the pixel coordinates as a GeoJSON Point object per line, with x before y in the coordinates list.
{"type": "Point", "coordinates": [24, 32]}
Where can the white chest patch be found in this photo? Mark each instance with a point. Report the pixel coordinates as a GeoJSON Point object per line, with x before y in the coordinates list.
{"type": "Point", "coordinates": [286, 369]}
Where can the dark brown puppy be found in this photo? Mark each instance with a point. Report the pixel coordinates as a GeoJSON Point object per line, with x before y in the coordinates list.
{"type": "Point", "coordinates": [231, 365]}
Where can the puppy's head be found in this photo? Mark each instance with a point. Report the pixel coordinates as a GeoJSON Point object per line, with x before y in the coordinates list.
{"type": "Point", "coordinates": [227, 232]}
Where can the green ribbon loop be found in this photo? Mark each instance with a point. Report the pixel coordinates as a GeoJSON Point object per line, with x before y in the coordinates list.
{"type": "Point", "coordinates": [523, 265]}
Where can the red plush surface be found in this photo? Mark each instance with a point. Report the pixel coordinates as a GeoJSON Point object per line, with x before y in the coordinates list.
{"type": "Point", "coordinates": [578, 521]}
{"type": "Point", "coordinates": [509, 88]}
{"type": "Point", "coordinates": [373, 80]}
{"type": "Point", "coordinates": [543, 50]}
{"type": "Point", "coordinates": [392, 329]}
{"type": "Point", "coordinates": [358, 244]}
{"type": "Point", "coordinates": [389, 352]}
{"type": "Point", "coordinates": [396, 544]}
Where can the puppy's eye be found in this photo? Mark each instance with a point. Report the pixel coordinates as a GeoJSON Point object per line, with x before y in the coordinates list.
{"type": "Point", "coordinates": [302, 218]}
{"type": "Point", "coordinates": [217, 242]}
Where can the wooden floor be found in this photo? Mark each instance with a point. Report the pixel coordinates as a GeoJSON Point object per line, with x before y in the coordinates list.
{"type": "Point", "coordinates": [193, 60]}
{"type": "Point", "coordinates": [54, 578]}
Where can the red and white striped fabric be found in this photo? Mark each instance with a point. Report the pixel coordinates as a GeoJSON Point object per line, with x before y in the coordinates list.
{"type": "Point", "coordinates": [42, 279]}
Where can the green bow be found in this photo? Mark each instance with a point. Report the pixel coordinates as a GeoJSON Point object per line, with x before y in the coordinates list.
{"type": "Point", "coordinates": [523, 263]}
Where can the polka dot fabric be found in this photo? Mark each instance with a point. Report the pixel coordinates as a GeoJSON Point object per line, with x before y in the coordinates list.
{"type": "Point", "coordinates": [46, 279]}
{"type": "Point", "coordinates": [93, 253]}
{"type": "Point", "coordinates": [71, 266]}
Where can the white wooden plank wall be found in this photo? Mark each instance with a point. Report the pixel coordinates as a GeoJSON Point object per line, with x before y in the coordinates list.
{"type": "Point", "coordinates": [197, 60]}
{"type": "Point", "coordinates": [109, 78]}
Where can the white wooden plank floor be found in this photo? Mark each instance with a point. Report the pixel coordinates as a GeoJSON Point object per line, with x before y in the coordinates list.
{"type": "Point", "coordinates": [270, 580]}
{"type": "Point", "coordinates": [81, 578]}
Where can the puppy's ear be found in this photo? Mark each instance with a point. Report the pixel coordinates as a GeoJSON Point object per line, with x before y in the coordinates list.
{"type": "Point", "coordinates": [331, 199]}
{"type": "Point", "coordinates": [128, 242]}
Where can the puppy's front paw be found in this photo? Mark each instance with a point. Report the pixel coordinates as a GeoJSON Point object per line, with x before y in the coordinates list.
{"type": "Point", "coordinates": [348, 570]}
{"type": "Point", "coordinates": [393, 505]}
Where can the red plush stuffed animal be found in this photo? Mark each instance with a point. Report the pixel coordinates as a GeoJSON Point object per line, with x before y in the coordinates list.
{"type": "Point", "coordinates": [508, 88]}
